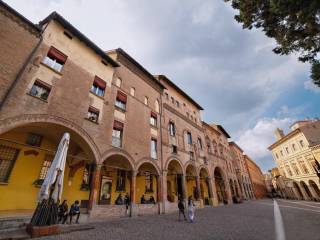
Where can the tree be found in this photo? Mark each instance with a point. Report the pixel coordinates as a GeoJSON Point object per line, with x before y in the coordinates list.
{"type": "Point", "coordinates": [294, 24]}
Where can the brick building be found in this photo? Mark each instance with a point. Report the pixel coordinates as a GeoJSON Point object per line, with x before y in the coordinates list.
{"type": "Point", "coordinates": [131, 132]}
{"type": "Point", "coordinates": [259, 188]}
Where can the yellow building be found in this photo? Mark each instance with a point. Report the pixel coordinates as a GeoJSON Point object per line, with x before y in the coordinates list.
{"type": "Point", "coordinates": [296, 155]}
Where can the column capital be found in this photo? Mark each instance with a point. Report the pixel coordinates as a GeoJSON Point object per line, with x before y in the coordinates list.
{"type": "Point", "coordinates": [164, 173]}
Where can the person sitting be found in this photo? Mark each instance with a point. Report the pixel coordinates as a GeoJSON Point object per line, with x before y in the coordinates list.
{"type": "Point", "coordinates": [119, 200]}
{"type": "Point", "coordinates": [63, 212]}
{"type": "Point", "coordinates": [151, 200]}
{"type": "Point", "coordinates": [75, 210]}
{"type": "Point", "coordinates": [142, 200]}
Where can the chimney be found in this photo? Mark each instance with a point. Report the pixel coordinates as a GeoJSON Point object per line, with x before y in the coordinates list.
{"type": "Point", "coordinates": [279, 133]}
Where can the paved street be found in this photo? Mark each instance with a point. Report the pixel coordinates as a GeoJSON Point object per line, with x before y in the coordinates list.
{"type": "Point", "coordinates": [250, 220]}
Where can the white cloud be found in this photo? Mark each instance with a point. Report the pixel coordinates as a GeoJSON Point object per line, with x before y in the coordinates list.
{"type": "Point", "coordinates": [309, 85]}
{"type": "Point", "coordinates": [255, 141]}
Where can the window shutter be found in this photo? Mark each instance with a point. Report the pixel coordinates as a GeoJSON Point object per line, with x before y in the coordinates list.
{"type": "Point", "coordinates": [94, 110]}
{"type": "Point", "coordinates": [99, 82]}
{"type": "Point", "coordinates": [154, 115]}
{"type": "Point", "coordinates": [55, 53]}
{"type": "Point", "coordinates": [122, 97]}
{"type": "Point", "coordinates": [117, 125]}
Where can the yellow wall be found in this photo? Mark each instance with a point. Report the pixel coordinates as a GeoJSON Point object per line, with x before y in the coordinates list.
{"type": "Point", "coordinates": [141, 187]}
{"type": "Point", "coordinates": [20, 193]}
{"type": "Point", "coordinates": [204, 189]}
{"type": "Point", "coordinates": [190, 185]}
{"type": "Point", "coordinates": [173, 194]}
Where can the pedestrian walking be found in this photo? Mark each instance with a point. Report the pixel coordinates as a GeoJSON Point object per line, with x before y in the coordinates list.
{"type": "Point", "coordinates": [127, 203]}
{"type": "Point", "coordinates": [191, 210]}
{"type": "Point", "coordinates": [181, 209]}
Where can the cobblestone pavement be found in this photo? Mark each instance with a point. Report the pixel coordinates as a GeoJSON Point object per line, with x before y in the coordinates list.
{"type": "Point", "coordinates": [249, 220]}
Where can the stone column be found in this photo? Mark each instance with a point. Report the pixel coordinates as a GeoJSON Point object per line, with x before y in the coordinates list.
{"type": "Point", "coordinates": [94, 186]}
{"type": "Point", "coordinates": [133, 209]}
{"type": "Point", "coordinates": [304, 193]}
{"type": "Point", "coordinates": [228, 192]}
{"type": "Point", "coordinates": [215, 201]}
{"type": "Point", "coordinates": [159, 194]}
{"type": "Point", "coordinates": [210, 193]}
{"type": "Point", "coordinates": [199, 191]}
{"type": "Point", "coordinates": [164, 190]}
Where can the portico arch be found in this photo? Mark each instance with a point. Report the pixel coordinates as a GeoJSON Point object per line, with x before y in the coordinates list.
{"type": "Point", "coordinates": [307, 190]}
{"type": "Point", "coordinates": [297, 190]}
{"type": "Point", "coordinates": [33, 140]}
{"type": "Point", "coordinates": [205, 186]}
{"type": "Point", "coordinates": [315, 189]}
{"type": "Point", "coordinates": [219, 178]}
{"type": "Point", "coordinates": [191, 180]}
{"type": "Point", "coordinates": [175, 181]}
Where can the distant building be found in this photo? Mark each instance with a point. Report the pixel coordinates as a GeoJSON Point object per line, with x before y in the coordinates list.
{"type": "Point", "coordinates": [296, 155]}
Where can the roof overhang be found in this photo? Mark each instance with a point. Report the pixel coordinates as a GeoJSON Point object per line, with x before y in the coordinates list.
{"type": "Point", "coordinates": [57, 17]}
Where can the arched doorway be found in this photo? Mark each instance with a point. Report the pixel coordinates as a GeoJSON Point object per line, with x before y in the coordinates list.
{"type": "Point", "coordinates": [147, 187]}
{"type": "Point", "coordinates": [116, 179]}
{"type": "Point", "coordinates": [298, 190]}
{"type": "Point", "coordinates": [205, 186]}
{"type": "Point", "coordinates": [220, 186]}
{"type": "Point", "coordinates": [306, 189]}
{"type": "Point", "coordinates": [191, 182]}
{"type": "Point", "coordinates": [27, 151]}
{"type": "Point", "coordinates": [315, 188]}
{"type": "Point", "coordinates": [175, 188]}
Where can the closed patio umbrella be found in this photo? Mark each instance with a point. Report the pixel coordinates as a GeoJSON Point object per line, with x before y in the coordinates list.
{"type": "Point", "coordinates": [51, 190]}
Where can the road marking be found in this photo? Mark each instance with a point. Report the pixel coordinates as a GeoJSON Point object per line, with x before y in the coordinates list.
{"type": "Point", "coordinates": [301, 203]}
{"type": "Point", "coordinates": [278, 223]}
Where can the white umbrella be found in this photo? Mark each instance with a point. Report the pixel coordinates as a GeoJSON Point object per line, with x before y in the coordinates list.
{"type": "Point", "coordinates": [54, 179]}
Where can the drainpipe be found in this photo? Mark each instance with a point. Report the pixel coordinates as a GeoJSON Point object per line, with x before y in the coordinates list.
{"type": "Point", "coordinates": [161, 172]}
{"type": "Point", "coordinates": [21, 71]}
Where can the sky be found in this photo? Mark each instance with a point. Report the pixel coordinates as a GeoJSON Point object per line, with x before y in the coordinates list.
{"type": "Point", "coordinates": [231, 72]}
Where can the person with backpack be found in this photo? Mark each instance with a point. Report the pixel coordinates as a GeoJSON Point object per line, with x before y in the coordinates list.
{"type": "Point", "coordinates": [181, 208]}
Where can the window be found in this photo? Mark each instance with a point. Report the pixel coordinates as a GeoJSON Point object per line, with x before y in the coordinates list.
{"type": "Point", "coordinates": [132, 91]}
{"type": "Point", "coordinates": [184, 105]}
{"type": "Point", "coordinates": [154, 148]}
{"type": "Point", "coordinates": [295, 168]}
{"type": "Point", "coordinates": [174, 149]}
{"type": "Point", "coordinates": [121, 181]}
{"type": "Point", "coordinates": [281, 153]}
{"type": "Point", "coordinates": [45, 166]}
{"type": "Point", "coordinates": [304, 167]}
{"type": "Point", "coordinates": [34, 139]}
{"type": "Point", "coordinates": [187, 114]}
{"type": "Point", "coordinates": [167, 96]}
{"type": "Point", "coordinates": [177, 103]}
{"type": "Point", "coordinates": [189, 137]}
{"type": "Point", "coordinates": [93, 114]}
{"type": "Point", "coordinates": [8, 156]}
{"type": "Point", "coordinates": [117, 133]}
{"type": "Point", "coordinates": [55, 59]}
{"type": "Point", "coordinates": [277, 155]}
{"type": "Point", "coordinates": [191, 155]}
{"type": "Point", "coordinates": [98, 86]}
{"type": "Point", "coordinates": [316, 166]}
{"type": "Point", "coordinates": [172, 100]}
{"type": "Point", "coordinates": [146, 100]}
{"type": "Point", "coordinates": [118, 82]}
{"type": "Point", "coordinates": [294, 147]}
{"type": "Point", "coordinates": [301, 143]}
{"type": "Point", "coordinates": [153, 119]}
{"type": "Point", "coordinates": [200, 143]}
{"type": "Point", "coordinates": [121, 101]}
{"type": "Point", "coordinates": [172, 129]}
{"type": "Point", "coordinates": [209, 147]}
{"type": "Point", "coordinates": [157, 106]}
{"type": "Point", "coordinates": [40, 90]}
{"type": "Point", "coordinates": [149, 182]}
{"type": "Point", "coordinates": [287, 150]}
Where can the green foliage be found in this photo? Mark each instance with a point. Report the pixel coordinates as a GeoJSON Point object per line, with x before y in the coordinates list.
{"type": "Point", "coordinates": [294, 24]}
{"type": "Point", "coordinates": [315, 73]}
